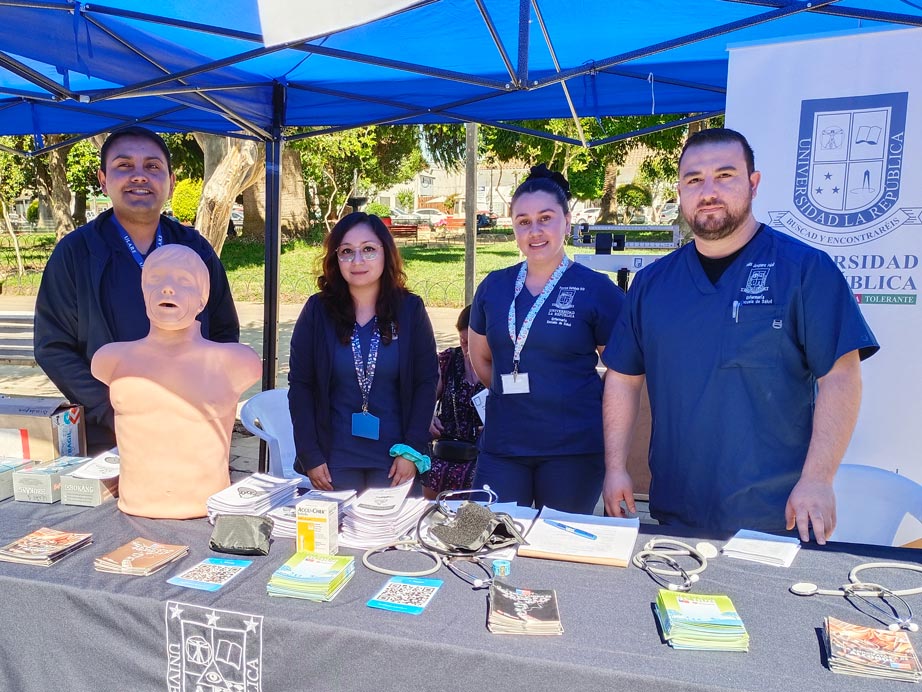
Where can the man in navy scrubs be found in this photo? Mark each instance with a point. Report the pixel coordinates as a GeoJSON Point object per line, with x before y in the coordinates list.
{"type": "Point", "coordinates": [90, 293]}
{"type": "Point", "coordinates": [750, 342]}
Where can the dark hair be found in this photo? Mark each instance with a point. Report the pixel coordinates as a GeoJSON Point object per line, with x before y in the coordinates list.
{"type": "Point", "coordinates": [543, 179]}
{"type": "Point", "coordinates": [135, 131]}
{"type": "Point", "coordinates": [721, 135]}
{"type": "Point", "coordinates": [464, 318]}
{"type": "Point", "coordinates": [334, 291]}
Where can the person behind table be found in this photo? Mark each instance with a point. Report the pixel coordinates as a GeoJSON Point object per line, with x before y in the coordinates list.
{"type": "Point", "coordinates": [536, 332]}
{"type": "Point", "coordinates": [363, 320]}
{"type": "Point", "coordinates": [455, 420]}
{"type": "Point", "coordinates": [750, 342]}
{"type": "Point", "coordinates": [90, 294]}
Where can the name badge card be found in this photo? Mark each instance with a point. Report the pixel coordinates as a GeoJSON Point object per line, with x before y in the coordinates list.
{"type": "Point", "coordinates": [366, 425]}
{"type": "Point", "coordinates": [516, 383]}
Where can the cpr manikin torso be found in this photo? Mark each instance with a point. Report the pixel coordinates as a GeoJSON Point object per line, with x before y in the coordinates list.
{"type": "Point", "coordinates": [174, 394]}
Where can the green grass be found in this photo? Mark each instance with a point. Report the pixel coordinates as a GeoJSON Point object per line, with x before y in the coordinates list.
{"type": "Point", "coordinates": [435, 273]}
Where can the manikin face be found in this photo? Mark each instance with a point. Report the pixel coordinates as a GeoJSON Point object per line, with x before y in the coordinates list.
{"type": "Point", "coordinates": [136, 179]}
{"type": "Point", "coordinates": [715, 189]}
{"type": "Point", "coordinates": [540, 227]}
{"type": "Point", "coordinates": [175, 285]}
{"type": "Point", "coordinates": [359, 244]}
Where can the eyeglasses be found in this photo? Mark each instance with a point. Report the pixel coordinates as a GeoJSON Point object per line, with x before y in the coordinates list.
{"type": "Point", "coordinates": [347, 253]}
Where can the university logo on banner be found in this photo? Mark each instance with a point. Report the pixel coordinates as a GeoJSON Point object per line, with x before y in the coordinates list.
{"type": "Point", "coordinates": [848, 171]}
{"type": "Point", "coordinates": [211, 650]}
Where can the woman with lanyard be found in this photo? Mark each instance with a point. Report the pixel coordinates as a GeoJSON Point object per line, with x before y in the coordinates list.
{"type": "Point", "coordinates": [535, 336]}
{"type": "Point", "coordinates": [363, 368]}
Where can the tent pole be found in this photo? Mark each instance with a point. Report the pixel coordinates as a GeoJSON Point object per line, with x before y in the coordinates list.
{"type": "Point", "coordinates": [273, 253]}
{"type": "Point", "coordinates": [470, 209]}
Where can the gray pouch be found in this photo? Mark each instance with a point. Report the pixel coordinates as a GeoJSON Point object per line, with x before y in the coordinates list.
{"type": "Point", "coordinates": [241, 534]}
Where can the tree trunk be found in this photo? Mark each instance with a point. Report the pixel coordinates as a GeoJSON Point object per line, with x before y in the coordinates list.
{"type": "Point", "coordinates": [79, 208]}
{"type": "Point", "coordinates": [4, 212]}
{"type": "Point", "coordinates": [231, 166]}
{"type": "Point", "coordinates": [294, 213]}
{"type": "Point", "coordinates": [609, 202]}
{"type": "Point", "coordinates": [51, 179]}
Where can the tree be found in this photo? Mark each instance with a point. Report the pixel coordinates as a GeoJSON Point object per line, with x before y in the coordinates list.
{"type": "Point", "coordinates": [406, 198]}
{"type": "Point", "coordinates": [82, 164]}
{"type": "Point", "coordinates": [12, 181]}
{"type": "Point", "coordinates": [186, 196]}
{"type": "Point", "coordinates": [51, 182]}
{"type": "Point", "coordinates": [631, 199]}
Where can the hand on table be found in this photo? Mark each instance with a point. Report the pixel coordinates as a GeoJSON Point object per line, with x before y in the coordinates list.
{"type": "Point", "coordinates": [812, 502]}
{"type": "Point", "coordinates": [616, 489]}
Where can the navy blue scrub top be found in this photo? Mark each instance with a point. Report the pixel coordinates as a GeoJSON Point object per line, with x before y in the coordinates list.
{"type": "Point", "coordinates": [562, 414]}
{"type": "Point", "coordinates": [349, 451]}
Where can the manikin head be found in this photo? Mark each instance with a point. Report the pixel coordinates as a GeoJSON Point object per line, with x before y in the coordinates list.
{"type": "Point", "coordinates": [175, 284]}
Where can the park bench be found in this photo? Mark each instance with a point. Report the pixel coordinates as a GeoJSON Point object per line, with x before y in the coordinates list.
{"type": "Point", "coordinates": [16, 344]}
{"type": "Point", "coordinates": [409, 231]}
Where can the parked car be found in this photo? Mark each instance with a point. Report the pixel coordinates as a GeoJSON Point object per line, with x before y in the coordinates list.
{"type": "Point", "coordinates": [400, 217]}
{"type": "Point", "coordinates": [586, 215]}
{"type": "Point", "coordinates": [431, 216]}
{"type": "Point", "coordinates": [669, 213]}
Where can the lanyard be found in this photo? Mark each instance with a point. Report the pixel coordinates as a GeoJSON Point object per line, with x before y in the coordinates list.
{"type": "Point", "coordinates": [519, 341]}
{"type": "Point", "coordinates": [365, 373]}
{"type": "Point", "coordinates": [158, 242]}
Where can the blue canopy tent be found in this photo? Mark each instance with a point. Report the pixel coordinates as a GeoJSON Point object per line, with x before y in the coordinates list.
{"type": "Point", "coordinates": [178, 65]}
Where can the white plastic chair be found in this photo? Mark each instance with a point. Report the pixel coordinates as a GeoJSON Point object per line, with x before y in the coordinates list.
{"type": "Point", "coordinates": [871, 503]}
{"type": "Point", "coordinates": [266, 416]}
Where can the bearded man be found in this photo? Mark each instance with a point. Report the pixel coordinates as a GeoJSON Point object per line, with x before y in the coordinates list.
{"type": "Point", "coordinates": [750, 342]}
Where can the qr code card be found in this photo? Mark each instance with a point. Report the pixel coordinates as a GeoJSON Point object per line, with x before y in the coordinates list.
{"type": "Point", "coordinates": [406, 594]}
{"type": "Point", "coordinates": [210, 574]}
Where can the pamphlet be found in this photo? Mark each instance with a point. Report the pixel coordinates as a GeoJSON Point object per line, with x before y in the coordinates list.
{"type": "Point", "coordinates": [700, 621]}
{"type": "Point", "coordinates": [312, 576]}
{"type": "Point", "coordinates": [106, 465]}
{"type": "Point", "coordinates": [406, 594]}
{"type": "Point", "coordinates": [515, 610]}
{"type": "Point", "coordinates": [210, 574]}
{"type": "Point", "coordinates": [558, 535]}
{"type": "Point", "coordinates": [44, 547]}
{"type": "Point", "coordinates": [140, 557]}
{"type": "Point", "coordinates": [875, 653]}
{"type": "Point", "coordinates": [765, 548]}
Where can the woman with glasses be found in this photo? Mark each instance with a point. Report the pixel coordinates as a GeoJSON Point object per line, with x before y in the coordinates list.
{"type": "Point", "coordinates": [363, 367]}
{"type": "Point", "coordinates": [535, 336]}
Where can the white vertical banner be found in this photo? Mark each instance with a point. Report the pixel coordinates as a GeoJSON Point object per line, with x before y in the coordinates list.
{"type": "Point", "coordinates": [836, 126]}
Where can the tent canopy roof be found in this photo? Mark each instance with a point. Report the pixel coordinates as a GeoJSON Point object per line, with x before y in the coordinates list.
{"type": "Point", "coordinates": [69, 67]}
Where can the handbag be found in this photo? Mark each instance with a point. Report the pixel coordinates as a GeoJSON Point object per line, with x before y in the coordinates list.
{"type": "Point", "coordinates": [457, 451]}
{"type": "Point", "coordinates": [241, 534]}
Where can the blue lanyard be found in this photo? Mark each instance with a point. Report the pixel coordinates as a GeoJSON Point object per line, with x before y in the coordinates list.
{"type": "Point", "coordinates": [365, 373]}
{"type": "Point", "coordinates": [129, 243]}
{"type": "Point", "coordinates": [519, 341]}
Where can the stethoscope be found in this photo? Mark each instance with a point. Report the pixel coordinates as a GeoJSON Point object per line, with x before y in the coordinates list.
{"type": "Point", "coordinates": [865, 591]}
{"type": "Point", "coordinates": [481, 579]}
{"type": "Point", "coordinates": [658, 559]}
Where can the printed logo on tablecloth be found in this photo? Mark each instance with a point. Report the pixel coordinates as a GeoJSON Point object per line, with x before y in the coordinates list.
{"type": "Point", "coordinates": [848, 171]}
{"type": "Point", "coordinates": [211, 650]}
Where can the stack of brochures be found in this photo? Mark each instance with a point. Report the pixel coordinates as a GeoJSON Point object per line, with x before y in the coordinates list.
{"type": "Point", "coordinates": [312, 576]}
{"type": "Point", "coordinates": [873, 653]}
{"type": "Point", "coordinates": [699, 621]}
{"type": "Point", "coordinates": [284, 518]}
{"type": "Point", "coordinates": [140, 557]}
{"type": "Point", "coordinates": [380, 516]}
{"type": "Point", "coordinates": [44, 547]}
{"type": "Point", "coordinates": [762, 547]}
{"type": "Point", "coordinates": [255, 494]}
{"type": "Point", "coordinates": [523, 611]}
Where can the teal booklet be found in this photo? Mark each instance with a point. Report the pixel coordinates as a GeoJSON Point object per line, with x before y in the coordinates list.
{"type": "Point", "coordinates": [406, 594]}
{"type": "Point", "coordinates": [210, 574]}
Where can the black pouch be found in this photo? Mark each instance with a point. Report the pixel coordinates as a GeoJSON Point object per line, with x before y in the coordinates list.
{"type": "Point", "coordinates": [474, 528]}
{"type": "Point", "coordinates": [454, 450]}
{"type": "Point", "coordinates": [241, 534]}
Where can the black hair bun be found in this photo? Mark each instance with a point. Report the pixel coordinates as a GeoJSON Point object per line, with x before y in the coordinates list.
{"type": "Point", "coordinates": [542, 171]}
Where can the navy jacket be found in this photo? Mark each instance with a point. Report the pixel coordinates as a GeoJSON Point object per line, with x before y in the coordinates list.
{"type": "Point", "coordinates": [311, 373]}
{"type": "Point", "coordinates": [70, 323]}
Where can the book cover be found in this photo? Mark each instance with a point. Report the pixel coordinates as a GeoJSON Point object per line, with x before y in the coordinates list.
{"type": "Point", "coordinates": [515, 610]}
{"type": "Point", "coordinates": [43, 546]}
{"type": "Point", "coordinates": [858, 650]}
{"type": "Point", "coordinates": [140, 556]}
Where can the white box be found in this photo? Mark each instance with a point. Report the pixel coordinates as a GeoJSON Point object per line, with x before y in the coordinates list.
{"type": "Point", "coordinates": [317, 524]}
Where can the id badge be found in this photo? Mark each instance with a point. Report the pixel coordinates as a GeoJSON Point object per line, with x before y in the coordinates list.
{"type": "Point", "coordinates": [366, 425]}
{"type": "Point", "coordinates": [515, 384]}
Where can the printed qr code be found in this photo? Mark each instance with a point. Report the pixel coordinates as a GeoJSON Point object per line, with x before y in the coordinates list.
{"type": "Point", "coordinates": [408, 594]}
{"type": "Point", "coordinates": [211, 574]}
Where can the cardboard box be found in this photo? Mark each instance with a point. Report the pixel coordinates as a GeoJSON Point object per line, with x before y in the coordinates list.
{"type": "Point", "coordinates": [41, 482]}
{"type": "Point", "coordinates": [317, 523]}
{"type": "Point", "coordinates": [41, 428]}
{"type": "Point", "coordinates": [7, 466]}
{"type": "Point", "coordinates": [92, 483]}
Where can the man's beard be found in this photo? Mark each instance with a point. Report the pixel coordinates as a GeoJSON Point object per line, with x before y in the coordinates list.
{"type": "Point", "coordinates": [720, 225]}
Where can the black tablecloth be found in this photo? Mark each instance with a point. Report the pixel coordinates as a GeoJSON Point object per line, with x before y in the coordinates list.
{"type": "Point", "coordinates": [70, 627]}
